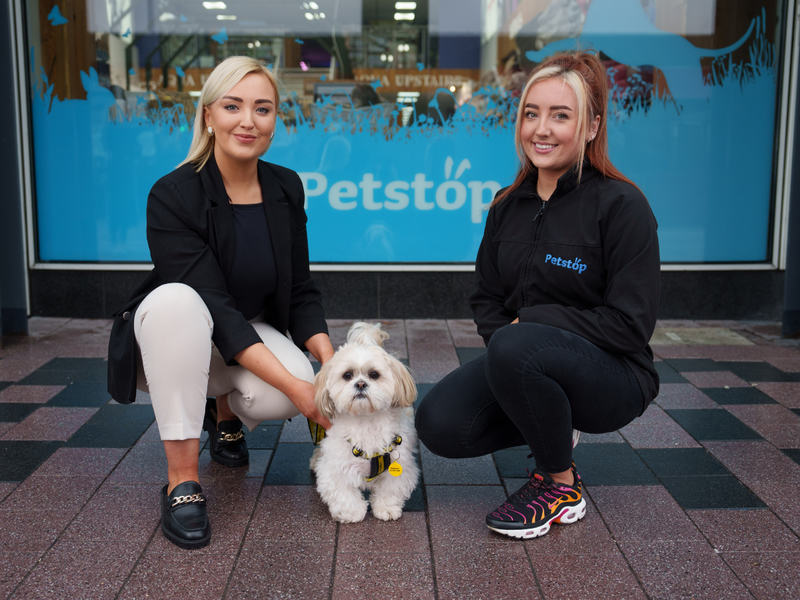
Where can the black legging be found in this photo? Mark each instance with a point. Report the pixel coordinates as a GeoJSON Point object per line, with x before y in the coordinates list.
{"type": "Point", "coordinates": [533, 386]}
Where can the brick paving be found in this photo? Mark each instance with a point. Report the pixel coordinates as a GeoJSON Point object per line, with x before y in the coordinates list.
{"type": "Point", "coordinates": [695, 499]}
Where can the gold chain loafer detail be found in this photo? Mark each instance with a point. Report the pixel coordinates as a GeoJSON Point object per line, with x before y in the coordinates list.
{"type": "Point", "coordinates": [226, 442]}
{"type": "Point", "coordinates": [184, 516]}
{"type": "Point", "coordinates": [187, 499]}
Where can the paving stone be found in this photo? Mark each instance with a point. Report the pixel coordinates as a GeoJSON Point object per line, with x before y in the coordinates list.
{"type": "Point", "coordinates": [787, 394]}
{"type": "Point", "coordinates": [480, 570]}
{"type": "Point", "coordinates": [291, 465]}
{"type": "Point", "coordinates": [296, 430]}
{"type": "Point", "coordinates": [691, 365]}
{"type": "Point", "coordinates": [271, 566]}
{"type": "Point", "coordinates": [264, 437]}
{"type": "Point", "coordinates": [457, 515]}
{"type": "Point", "coordinates": [275, 519]}
{"type": "Point", "coordinates": [557, 576]}
{"type": "Point", "coordinates": [103, 518]}
{"type": "Point", "coordinates": [680, 462]}
{"type": "Point", "coordinates": [719, 491]}
{"type": "Point", "coordinates": [6, 489]}
{"type": "Point", "coordinates": [611, 464]}
{"type": "Point", "coordinates": [113, 426]}
{"type": "Point", "coordinates": [755, 371]}
{"type": "Point", "coordinates": [19, 459]}
{"type": "Point", "coordinates": [707, 424]}
{"type": "Point", "coordinates": [682, 569]}
{"type": "Point", "coordinates": [776, 423]}
{"type": "Point", "coordinates": [381, 575]}
{"type": "Point", "coordinates": [48, 423]}
{"type": "Point", "coordinates": [629, 513]}
{"type": "Point", "coordinates": [465, 333]}
{"type": "Point", "coordinates": [682, 395]}
{"type": "Point", "coordinates": [658, 435]}
{"type": "Point", "coordinates": [27, 394]}
{"type": "Point", "coordinates": [466, 355]}
{"type": "Point", "coordinates": [794, 454]}
{"type": "Point", "coordinates": [710, 379]}
{"type": "Point", "coordinates": [82, 393]}
{"type": "Point", "coordinates": [409, 534]}
{"type": "Point", "coordinates": [755, 465]}
{"type": "Point", "coordinates": [31, 531]}
{"type": "Point", "coordinates": [13, 568]}
{"type": "Point", "coordinates": [668, 374]}
{"type": "Point", "coordinates": [767, 575]}
{"type": "Point", "coordinates": [74, 462]}
{"type": "Point", "coordinates": [81, 570]}
{"type": "Point", "coordinates": [16, 412]}
{"type": "Point", "coordinates": [46, 493]}
{"type": "Point", "coordinates": [145, 463]}
{"type": "Point", "coordinates": [460, 471]}
{"type": "Point", "coordinates": [168, 576]}
{"type": "Point", "coordinates": [738, 395]}
{"type": "Point", "coordinates": [259, 461]}
{"type": "Point", "coordinates": [612, 437]}
{"type": "Point", "coordinates": [745, 531]}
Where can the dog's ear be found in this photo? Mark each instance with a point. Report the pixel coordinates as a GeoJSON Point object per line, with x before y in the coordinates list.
{"type": "Point", "coordinates": [406, 392]}
{"type": "Point", "coordinates": [366, 334]}
{"type": "Point", "coordinates": [322, 398]}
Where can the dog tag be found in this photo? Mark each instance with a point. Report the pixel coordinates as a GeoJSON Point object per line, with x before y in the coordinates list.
{"type": "Point", "coordinates": [396, 469]}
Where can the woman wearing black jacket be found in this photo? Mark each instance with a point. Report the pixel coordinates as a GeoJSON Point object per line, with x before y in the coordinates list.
{"type": "Point", "coordinates": [566, 298]}
{"type": "Point", "coordinates": [227, 236]}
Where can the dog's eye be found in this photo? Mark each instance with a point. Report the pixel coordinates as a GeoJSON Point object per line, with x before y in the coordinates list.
{"type": "Point", "coordinates": [374, 375]}
{"type": "Point", "coordinates": [347, 376]}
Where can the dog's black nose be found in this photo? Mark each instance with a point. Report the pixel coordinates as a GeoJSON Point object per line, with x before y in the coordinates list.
{"type": "Point", "coordinates": [361, 384]}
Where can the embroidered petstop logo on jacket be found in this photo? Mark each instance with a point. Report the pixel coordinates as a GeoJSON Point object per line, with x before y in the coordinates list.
{"type": "Point", "coordinates": [575, 265]}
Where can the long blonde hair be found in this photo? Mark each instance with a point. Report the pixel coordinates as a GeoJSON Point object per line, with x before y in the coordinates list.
{"type": "Point", "coordinates": [222, 79]}
{"type": "Point", "coordinates": [586, 75]}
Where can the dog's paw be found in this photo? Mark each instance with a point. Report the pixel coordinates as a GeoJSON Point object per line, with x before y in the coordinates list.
{"type": "Point", "coordinates": [349, 514]}
{"type": "Point", "coordinates": [387, 513]}
{"type": "Point", "coordinates": [317, 454]}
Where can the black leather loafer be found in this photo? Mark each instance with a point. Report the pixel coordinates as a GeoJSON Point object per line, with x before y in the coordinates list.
{"type": "Point", "coordinates": [226, 441]}
{"type": "Point", "coordinates": [184, 517]}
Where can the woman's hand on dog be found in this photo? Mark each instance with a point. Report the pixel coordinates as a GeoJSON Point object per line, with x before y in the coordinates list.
{"type": "Point", "coordinates": [302, 396]}
{"type": "Point", "coordinates": [259, 360]}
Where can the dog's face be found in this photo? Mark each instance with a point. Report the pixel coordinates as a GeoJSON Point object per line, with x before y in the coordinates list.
{"type": "Point", "coordinates": [363, 379]}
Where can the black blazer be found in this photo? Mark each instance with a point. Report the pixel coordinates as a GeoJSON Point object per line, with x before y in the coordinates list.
{"type": "Point", "coordinates": [190, 233]}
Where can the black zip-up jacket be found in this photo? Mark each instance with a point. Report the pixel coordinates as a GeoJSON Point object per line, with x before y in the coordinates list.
{"type": "Point", "coordinates": [586, 261]}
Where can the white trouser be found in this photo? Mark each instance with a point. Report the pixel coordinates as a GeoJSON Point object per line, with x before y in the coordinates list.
{"type": "Point", "coordinates": [179, 365]}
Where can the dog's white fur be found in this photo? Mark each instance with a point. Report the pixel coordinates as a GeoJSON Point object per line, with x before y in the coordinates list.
{"type": "Point", "coordinates": [366, 393]}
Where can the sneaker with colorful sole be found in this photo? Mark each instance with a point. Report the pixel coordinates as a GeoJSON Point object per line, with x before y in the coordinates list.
{"type": "Point", "coordinates": [529, 512]}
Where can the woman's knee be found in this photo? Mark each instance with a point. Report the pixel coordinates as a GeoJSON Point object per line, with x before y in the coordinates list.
{"type": "Point", "coordinates": [174, 305]}
{"type": "Point", "coordinates": [436, 423]}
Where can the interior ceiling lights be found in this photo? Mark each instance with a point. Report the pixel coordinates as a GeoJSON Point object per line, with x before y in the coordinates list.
{"type": "Point", "coordinates": [215, 5]}
{"type": "Point", "coordinates": [403, 16]}
{"type": "Point", "coordinates": [405, 5]}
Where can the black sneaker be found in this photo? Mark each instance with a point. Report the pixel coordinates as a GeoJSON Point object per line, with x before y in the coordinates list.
{"type": "Point", "coordinates": [529, 511]}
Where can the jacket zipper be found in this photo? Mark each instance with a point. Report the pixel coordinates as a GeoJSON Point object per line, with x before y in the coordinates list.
{"type": "Point", "coordinates": [532, 251]}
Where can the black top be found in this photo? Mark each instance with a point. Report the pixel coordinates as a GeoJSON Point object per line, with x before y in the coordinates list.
{"type": "Point", "coordinates": [586, 261]}
{"type": "Point", "coordinates": [253, 275]}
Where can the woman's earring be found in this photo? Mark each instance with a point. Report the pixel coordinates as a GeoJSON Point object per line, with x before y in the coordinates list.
{"type": "Point", "coordinates": [272, 136]}
{"type": "Point", "coordinates": [210, 132]}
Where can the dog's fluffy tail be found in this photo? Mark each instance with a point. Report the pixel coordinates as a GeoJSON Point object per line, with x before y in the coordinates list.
{"type": "Point", "coordinates": [366, 334]}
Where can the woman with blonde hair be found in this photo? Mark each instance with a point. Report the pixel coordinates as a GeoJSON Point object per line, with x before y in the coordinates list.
{"type": "Point", "coordinates": [566, 295]}
{"type": "Point", "coordinates": [206, 332]}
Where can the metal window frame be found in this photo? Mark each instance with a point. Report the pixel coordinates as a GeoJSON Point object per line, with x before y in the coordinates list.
{"type": "Point", "coordinates": [782, 174]}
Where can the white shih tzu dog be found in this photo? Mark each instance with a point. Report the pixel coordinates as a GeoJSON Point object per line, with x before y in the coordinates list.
{"type": "Point", "coordinates": [366, 393]}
